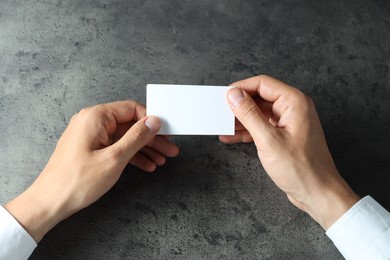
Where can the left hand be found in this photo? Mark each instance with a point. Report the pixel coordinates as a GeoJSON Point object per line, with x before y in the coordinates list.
{"type": "Point", "coordinates": [88, 160]}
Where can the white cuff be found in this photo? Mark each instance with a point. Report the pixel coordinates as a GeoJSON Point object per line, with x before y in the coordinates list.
{"type": "Point", "coordinates": [15, 242]}
{"type": "Point", "coordinates": [363, 232]}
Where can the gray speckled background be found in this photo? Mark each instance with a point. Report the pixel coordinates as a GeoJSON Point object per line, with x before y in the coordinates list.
{"type": "Point", "coordinates": [214, 201]}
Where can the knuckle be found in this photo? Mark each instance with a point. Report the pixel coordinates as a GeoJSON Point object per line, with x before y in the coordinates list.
{"type": "Point", "coordinates": [250, 112]}
{"type": "Point", "coordinates": [98, 109]}
{"type": "Point", "coordinates": [87, 111]}
{"type": "Point", "coordinates": [299, 100]}
{"type": "Point", "coordinates": [134, 103]}
{"type": "Point", "coordinates": [305, 102]}
{"type": "Point", "coordinates": [73, 118]}
{"type": "Point", "coordinates": [310, 102]}
{"type": "Point", "coordinates": [82, 115]}
{"type": "Point", "coordinates": [83, 112]}
{"type": "Point", "coordinates": [263, 77]}
{"type": "Point", "coordinates": [138, 136]}
{"type": "Point", "coordinates": [298, 96]}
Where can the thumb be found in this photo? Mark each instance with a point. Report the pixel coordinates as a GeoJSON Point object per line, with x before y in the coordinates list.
{"type": "Point", "coordinates": [139, 135]}
{"type": "Point", "coordinates": [249, 114]}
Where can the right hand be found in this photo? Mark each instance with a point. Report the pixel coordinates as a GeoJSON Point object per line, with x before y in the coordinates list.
{"type": "Point", "coordinates": [291, 146]}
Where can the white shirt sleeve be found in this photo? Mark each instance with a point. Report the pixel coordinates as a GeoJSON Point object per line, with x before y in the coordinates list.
{"type": "Point", "coordinates": [363, 232]}
{"type": "Point", "coordinates": [15, 242]}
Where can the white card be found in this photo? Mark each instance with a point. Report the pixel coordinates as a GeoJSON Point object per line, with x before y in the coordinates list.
{"type": "Point", "coordinates": [190, 109]}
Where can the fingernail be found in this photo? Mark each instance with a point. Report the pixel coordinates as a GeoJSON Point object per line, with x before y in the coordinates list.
{"type": "Point", "coordinates": [235, 96]}
{"type": "Point", "coordinates": [153, 123]}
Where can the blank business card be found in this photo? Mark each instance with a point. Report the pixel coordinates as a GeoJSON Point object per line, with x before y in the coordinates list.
{"type": "Point", "coordinates": [190, 109]}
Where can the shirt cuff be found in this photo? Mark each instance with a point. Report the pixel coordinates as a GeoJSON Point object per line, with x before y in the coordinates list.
{"type": "Point", "coordinates": [15, 242]}
{"type": "Point", "coordinates": [363, 232]}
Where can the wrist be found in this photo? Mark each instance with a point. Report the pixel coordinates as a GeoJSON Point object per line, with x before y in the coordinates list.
{"type": "Point", "coordinates": [35, 211]}
{"type": "Point", "coordinates": [329, 202]}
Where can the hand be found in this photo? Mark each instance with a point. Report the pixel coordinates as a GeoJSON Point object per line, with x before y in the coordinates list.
{"type": "Point", "coordinates": [291, 146]}
{"type": "Point", "coordinates": [88, 160]}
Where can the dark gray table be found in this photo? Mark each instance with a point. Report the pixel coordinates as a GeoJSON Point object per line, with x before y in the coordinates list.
{"type": "Point", "coordinates": [214, 200]}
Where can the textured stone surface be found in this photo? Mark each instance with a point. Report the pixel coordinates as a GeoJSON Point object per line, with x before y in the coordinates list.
{"type": "Point", "coordinates": [214, 201]}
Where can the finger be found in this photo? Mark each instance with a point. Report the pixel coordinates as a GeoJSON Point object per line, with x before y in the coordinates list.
{"type": "Point", "coordinates": [164, 146]}
{"type": "Point", "coordinates": [112, 114]}
{"type": "Point", "coordinates": [268, 88]}
{"type": "Point", "coordinates": [121, 130]}
{"type": "Point", "coordinates": [154, 155]}
{"type": "Point", "coordinates": [265, 106]}
{"type": "Point", "coordinates": [139, 160]}
{"type": "Point", "coordinates": [140, 134]}
{"type": "Point", "coordinates": [242, 136]}
{"type": "Point", "coordinates": [284, 99]}
{"type": "Point", "coordinates": [273, 119]}
{"type": "Point", "coordinates": [238, 126]}
{"type": "Point", "coordinates": [125, 111]}
{"type": "Point", "coordinates": [249, 114]}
